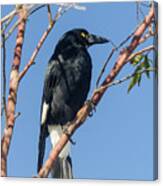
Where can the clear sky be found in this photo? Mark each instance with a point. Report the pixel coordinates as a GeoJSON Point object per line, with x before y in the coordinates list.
{"type": "Point", "coordinates": [117, 142]}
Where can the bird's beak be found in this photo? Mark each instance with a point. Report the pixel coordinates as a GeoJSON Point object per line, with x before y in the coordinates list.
{"type": "Point", "coordinates": [93, 39]}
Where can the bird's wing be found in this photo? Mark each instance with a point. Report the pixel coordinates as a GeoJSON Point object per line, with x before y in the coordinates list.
{"type": "Point", "coordinates": [52, 76]}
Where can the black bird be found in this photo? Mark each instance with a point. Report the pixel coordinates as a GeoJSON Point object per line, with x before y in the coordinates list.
{"type": "Point", "coordinates": [66, 85]}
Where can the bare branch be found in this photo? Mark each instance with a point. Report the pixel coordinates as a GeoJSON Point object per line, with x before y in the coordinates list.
{"type": "Point", "coordinates": [49, 15]}
{"type": "Point", "coordinates": [87, 108]}
{"type": "Point", "coordinates": [8, 34]}
{"type": "Point", "coordinates": [7, 23]}
{"type": "Point", "coordinates": [12, 29]}
{"type": "Point", "coordinates": [40, 43]}
{"type": "Point", "coordinates": [146, 49]}
{"type": "Point", "coordinates": [4, 77]}
{"type": "Point", "coordinates": [13, 87]}
{"type": "Point", "coordinates": [117, 82]}
{"type": "Point", "coordinates": [36, 9]}
{"type": "Point", "coordinates": [104, 67]}
{"type": "Point", "coordinates": [8, 16]}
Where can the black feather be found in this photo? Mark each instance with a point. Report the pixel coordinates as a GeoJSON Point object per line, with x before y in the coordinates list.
{"type": "Point", "coordinates": [42, 143]}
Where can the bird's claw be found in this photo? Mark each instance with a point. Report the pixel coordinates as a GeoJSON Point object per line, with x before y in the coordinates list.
{"type": "Point", "coordinates": [65, 131]}
{"type": "Point", "coordinates": [92, 107]}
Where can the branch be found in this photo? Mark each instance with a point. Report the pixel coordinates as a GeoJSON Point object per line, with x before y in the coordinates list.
{"type": "Point", "coordinates": [13, 87]}
{"type": "Point", "coordinates": [8, 34]}
{"type": "Point", "coordinates": [36, 9]}
{"type": "Point", "coordinates": [115, 48]}
{"type": "Point", "coordinates": [8, 16]}
{"type": "Point", "coordinates": [7, 23]}
{"type": "Point", "coordinates": [117, 82]}
{"type": "Point", "coordinates": [104, 66]}
{"type": "Point", "coordinates": [28, 7]}
{"type": "Point", "coordinates": [87, 108]}
{"type": "Point", "coordinates": [49, 15]}
{"type": "Point", "coordinates": [4, 77]}
{"type": "Point", "coordinates": [149, 48]}
{"type": "Point", "coordinates": [16, 11]}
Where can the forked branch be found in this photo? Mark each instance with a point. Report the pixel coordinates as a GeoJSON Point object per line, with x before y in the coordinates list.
{"type": "Point", "coordinates": [41, 42]}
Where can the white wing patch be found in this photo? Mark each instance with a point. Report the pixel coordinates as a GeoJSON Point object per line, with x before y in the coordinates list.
{"type": "Point", "coordinates": [55, 134]}
{"type": "Point", "coordinates": [44, 112]}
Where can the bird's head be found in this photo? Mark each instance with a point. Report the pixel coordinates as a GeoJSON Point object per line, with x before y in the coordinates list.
{"type": "Point", "coordinates": [83, 38]}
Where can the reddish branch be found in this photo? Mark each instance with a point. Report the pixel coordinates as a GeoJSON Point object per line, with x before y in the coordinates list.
{"type": "Point", "coordinates": [13, 87]}
{"type": "Point", "coordinates": [86, 109]}
{"type": "Point", "coordinates": [140, 52]}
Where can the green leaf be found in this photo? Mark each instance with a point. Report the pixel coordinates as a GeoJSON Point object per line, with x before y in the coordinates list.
{"type": "Point", "coordinates": [146, 66]}
{"type": "Point", "coordinates": [139, 68]}
{"type": "Point", "coordinates": [139, 79]}
{"type": "Point", "coordinates": [136, 79]}
{"type": "Point", "coordinates": [136, 59]}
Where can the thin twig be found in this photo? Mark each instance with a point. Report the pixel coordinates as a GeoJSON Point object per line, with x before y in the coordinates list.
{"type": "Point", "coordinates": [104, 67]}
{"type": "Point", "coordinates": [125, 40]}
{"type": "Point", "coordinates": [7, 23]}
{"type": "Point", "coordinates": [146, 37]}
{"type": "Point", "coordinates": [4, 78]}
{"type": "Point", "coordinates": [117, 82]}
{"type": "Point", "coordinates": [40, 43]}
{"type": "Point", "coordinates": [61, 11]}
{"type": "Point", "coordinates": [36, 9]}
{"type": "Point", "coordinates": [15, 12]}
{"type": "Point", "coordinates": [49, 15]}
{"type": "Point", "coordinates": [8, 34]}
{"type": "Point", "coordinates": [141, 11]}
{"type": "Point", "coordinates": [137, 12]}
{"type": "Point", "coordinates": [111, 54]}
{"type": "Point", "coordinates": [8, 16]}
{"type": "Point", "coordinates": [146, 49]}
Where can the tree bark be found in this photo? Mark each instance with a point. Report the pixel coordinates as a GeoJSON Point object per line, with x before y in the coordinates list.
{"type": "Point", "coordinates": [13, 87]}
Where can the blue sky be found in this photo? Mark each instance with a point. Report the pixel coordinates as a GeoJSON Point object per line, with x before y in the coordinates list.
{"type": "Point", "coordinates": [117, 142]}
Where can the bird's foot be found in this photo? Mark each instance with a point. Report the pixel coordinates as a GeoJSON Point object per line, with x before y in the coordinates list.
{"type": "Point", "coordinates": [65, 131]}
{"type": "Point", "coordinates": [92, 107]}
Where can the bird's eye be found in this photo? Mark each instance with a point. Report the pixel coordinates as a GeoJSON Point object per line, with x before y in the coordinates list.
{"type": "Point", "coordinates": [84, 35]}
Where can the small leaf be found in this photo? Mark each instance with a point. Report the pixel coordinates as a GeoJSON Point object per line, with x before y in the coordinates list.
{"type": "Point", "coordinates": [136, 59]}
{"type": "Point", "coordinates": [146, 66]}
{"type": "Point", "coordinates": [134, 80]}
{"type": "Point", "coordinates": [139, 79]}
{"type": "Point", "coordinates": [139, 68]}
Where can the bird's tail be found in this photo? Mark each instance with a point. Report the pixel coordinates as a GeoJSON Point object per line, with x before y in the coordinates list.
{"type": "Point", "coordinates": [62, 168]}
{"type": "Point", "coordinates": [41, 148]}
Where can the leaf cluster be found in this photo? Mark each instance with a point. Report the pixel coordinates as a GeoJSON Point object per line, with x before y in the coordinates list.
{"type": "Point", "coordinates": [140, 62]}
